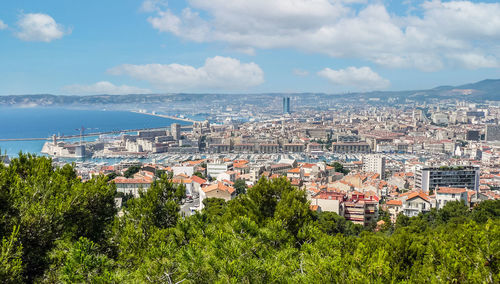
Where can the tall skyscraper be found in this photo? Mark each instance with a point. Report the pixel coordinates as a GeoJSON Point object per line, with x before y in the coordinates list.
{"type": "Point", "coordinates": [176, 131]}
{"type": "Point", "coordinates": [286, 105]}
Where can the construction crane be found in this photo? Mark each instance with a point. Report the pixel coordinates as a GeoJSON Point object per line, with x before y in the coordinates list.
{"type": "Point", "coordinates": [82, 131]}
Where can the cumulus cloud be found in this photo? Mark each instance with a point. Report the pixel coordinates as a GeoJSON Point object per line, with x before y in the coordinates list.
{"type": "Point", "coordinates": [363, 78]}
{"type": "Point", "coordinates": [3, 25]}
{"type": "Point", "coordinates": [366, 31]}
{"type": "Point", "coordinates": [217, 73]}
{"type": "Point", "coordinates": [103, 87]}
{"type": "Point", "coordinates": [40, 27]}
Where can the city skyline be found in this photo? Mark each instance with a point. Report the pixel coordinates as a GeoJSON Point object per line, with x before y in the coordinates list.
{"type": "Point", "coordinates": [154, 46]}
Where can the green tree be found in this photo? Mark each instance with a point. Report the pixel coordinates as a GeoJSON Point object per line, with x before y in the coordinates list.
{"type": "Point", "coordinates": [125, 197]}
{"type": "Point", "coordinates": [11, 266]}
{"type": "Point", "coordinates": [454, 211]}
{"type": "Point", "coordinates": [214, 207]}
{"type": "Point", "coordinates": [488, 209]}
{"type": "Point", "coordinates": [339, 168]}
{"type": "Point", "coordinates": [131, 171]}
{"type": "Point", "coordinates": [331, 223]}
{"type": "Point", "coordinates": [240, 186]}
{"type": "Point", "coordinates": [293, 210]}
{"type": "Point", "coordinates": [84, 263]}
{"type": "Point", "coordinates": [48, 204]}
{"type": "Point", "coordinates": [266, 194]}
{"type": "Point", "coordinates": [159, 205]}
{"type": "Point", "coordinates": [112, 176]}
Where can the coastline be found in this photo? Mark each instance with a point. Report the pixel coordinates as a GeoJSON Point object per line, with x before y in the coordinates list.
{"type": "Point", "coordinates": [30, 128]}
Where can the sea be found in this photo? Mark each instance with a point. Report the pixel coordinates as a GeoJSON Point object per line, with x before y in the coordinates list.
{"type": "Point", "coordinates": [42, 122]}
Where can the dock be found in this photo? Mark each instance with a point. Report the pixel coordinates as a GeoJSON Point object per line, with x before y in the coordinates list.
{"type": "Point", "coordinates": [166, 116]}
{"type": "Point", "coordinates": [87, 134]}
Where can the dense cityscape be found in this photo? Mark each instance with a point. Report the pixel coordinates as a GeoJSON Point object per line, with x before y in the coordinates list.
{"type": "Point", "coordinates": [400, 159]}
{"type": "Point", "coordinates": [282, 141]}
{"type": "Point", "coordinates": [369, 164]}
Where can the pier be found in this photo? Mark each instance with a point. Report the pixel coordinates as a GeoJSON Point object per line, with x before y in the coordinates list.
{"type": "Point", "coordinates": [87, 134]}
{"type": "Point", "coordinates": [167, 116]}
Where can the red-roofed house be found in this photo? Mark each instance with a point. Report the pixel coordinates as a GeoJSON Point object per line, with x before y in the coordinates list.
{"type": "Point", "coordinates": [447, 194]}
{"type": "Point", "coordinates": [393, 208]}
{"type": "Point", "coordinates": [218, 190]}
{"type": "Point", "coordinates": [296, 173]}
{"type": "Point", "coordinates": [132, 185]}
{"type": "Point", "coordinates": [329, 201]}
{"type": "Point", "coordinates": [416, 203]}
{"type": "Point", "coordinates": [198, 182]}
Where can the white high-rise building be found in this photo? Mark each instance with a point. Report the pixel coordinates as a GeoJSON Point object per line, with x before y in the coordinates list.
{"type": "Point", "coordinates": [374, 164]}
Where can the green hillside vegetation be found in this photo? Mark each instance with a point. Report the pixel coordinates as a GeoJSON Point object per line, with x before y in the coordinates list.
{"type": "Point", "coordinates": [56, 229]}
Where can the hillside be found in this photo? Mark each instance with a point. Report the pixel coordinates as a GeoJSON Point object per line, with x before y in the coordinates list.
{"type": "Point", "coordinates": [480, 91]}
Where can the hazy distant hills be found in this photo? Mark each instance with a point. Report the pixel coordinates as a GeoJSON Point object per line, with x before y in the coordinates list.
{"type": "Point", "coordinates": [480, 91]}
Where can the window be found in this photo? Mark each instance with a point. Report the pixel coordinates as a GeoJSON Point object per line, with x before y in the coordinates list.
{"type": "Point", "coordinates": [453, 196]}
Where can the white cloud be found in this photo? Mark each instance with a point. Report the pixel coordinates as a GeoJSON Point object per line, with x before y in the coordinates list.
{"type": "Point", "coordinates": [217, 73]}
{"type": "Point", "coordinates": [3, 25]}
{"type": "Point", "coordinates": [363, 78]}
{"type": "Point", "coordinates": [367, 31]}
{"type": "Point", "coordinates": [40, 27]}
{"type": "Point", "coordinates": [153, 5]}
{"type": "Point", "coordinates": [474, 60]}
{"type": "Point", "coordinates": [103, 88]}
{"type": "Point", "coordinates": [300, 72]}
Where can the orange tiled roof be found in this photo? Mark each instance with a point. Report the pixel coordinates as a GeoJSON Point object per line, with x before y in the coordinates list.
{"type": "Point", "coordinates": [124, 180]}
{"type": "Point", "coordinates": [418, 194]}
{"type": "Point", "coordinates": [450, 190]}
{"type": "Point", "coordinates": [395, 202]}
{"type": "Point", "coordinates": [219, 186]}
{"type": "Point", "coordinates": [198, 179]}
{"type": "Point", "coordinates": [314, 207]}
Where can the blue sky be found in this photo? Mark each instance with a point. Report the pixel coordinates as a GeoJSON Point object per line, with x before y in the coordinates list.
{"type": "Point", "coordinates": [240, 46]}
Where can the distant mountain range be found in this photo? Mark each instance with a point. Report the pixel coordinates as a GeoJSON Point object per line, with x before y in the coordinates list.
{"type": "Point", "coordinates": [479, 92]}
{"type": "Point", "coordinates": [486, 90]}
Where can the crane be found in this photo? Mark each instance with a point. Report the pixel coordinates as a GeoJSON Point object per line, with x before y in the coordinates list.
{"type": "Point", "coordinates": [82, 131]}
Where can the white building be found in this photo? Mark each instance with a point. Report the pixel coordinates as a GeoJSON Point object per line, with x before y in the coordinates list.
{"type": "Point", "coordinates": [440, 118]}
{"type": "Point", "coordinates": [416, 203]}
{"type": "Point", "coordinates": [187, 170]}
{"type": "Point", "coordinates": [448, 194]}
{"type": "Point", "coordinates": [214, 170]}
{"type": "Point", "coordinates": [374, 164]}
{"type": "Point", "coordinates": [132, 185]}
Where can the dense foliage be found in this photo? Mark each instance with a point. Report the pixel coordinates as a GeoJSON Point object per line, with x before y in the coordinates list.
{"type": "Point", "coordinates": [54, 228]}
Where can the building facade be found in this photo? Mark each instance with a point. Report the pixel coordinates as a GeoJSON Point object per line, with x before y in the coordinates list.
{"type": "Point", "coordinates": [355, 147]}
{"type": "Point", "coordinates": [176, 131]}
{"type": "Point", "coordinates": [286, 105]}
{"type": "Point", "coordinates": [427, 178]}
{"type": "Point", "coordinates": [374, 164]}
{"type": "Point", "coordinates": [492, 133]}
{"type": "Point", "coordinates": [449, 194]}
